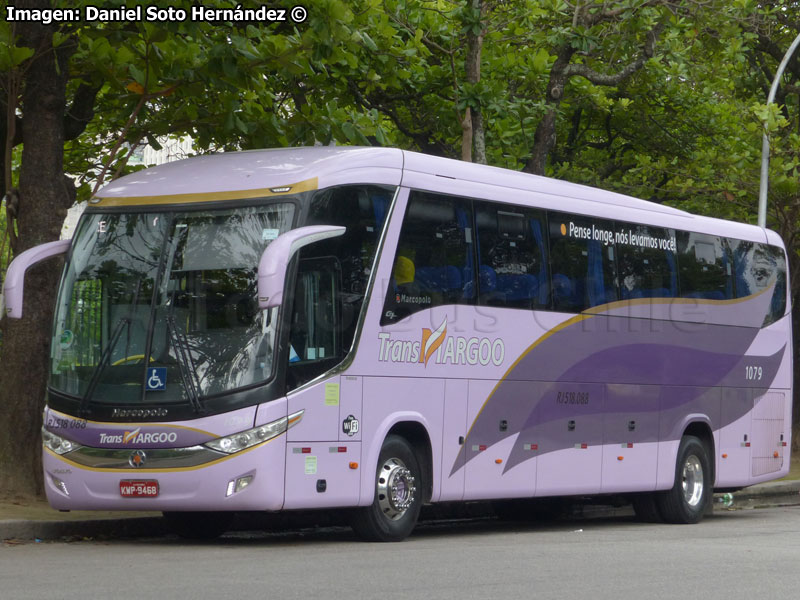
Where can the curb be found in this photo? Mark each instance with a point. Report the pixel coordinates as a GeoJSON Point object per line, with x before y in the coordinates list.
{"type": "Point", "coordinates": [774, 493]}
{"type": "Point", "coordinates": [21, 529]}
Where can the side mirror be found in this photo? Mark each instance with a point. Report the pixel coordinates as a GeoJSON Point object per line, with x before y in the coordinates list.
{"type": "Point", "coordinates": [14, 286]}
{"type": "Point", "coordinates": [273, 263]}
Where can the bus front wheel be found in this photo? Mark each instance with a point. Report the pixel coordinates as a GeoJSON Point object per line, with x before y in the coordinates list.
{"type": "Point", "coordinates": [688, 499]}
{"type": "Point", "coordinates": [398, 495]}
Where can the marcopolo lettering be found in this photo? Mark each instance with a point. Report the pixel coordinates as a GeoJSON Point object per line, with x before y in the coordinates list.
{"type": "Point", "coordinates": [139, 413]}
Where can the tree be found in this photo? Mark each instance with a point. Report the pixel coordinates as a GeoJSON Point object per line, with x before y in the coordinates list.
{"type": "Point", "coordinates": [67, 85]}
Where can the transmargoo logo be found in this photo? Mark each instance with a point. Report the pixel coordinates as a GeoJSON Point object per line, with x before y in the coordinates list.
{"type": "Point", "coordinates": [444, 349]}
{"type": "Point", "coordinates": [136, 437]}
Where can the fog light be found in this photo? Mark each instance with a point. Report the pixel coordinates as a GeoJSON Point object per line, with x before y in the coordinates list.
{"type": "Point", "coordinates": [235, 486]}
{"type": "Point", "coordinates": [243, 482]}
{"type": "Point", "coordinates": [60, 485]}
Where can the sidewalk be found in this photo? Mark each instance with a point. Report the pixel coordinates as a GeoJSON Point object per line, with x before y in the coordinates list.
{"type": "Point", "coordinates": [36, 521]}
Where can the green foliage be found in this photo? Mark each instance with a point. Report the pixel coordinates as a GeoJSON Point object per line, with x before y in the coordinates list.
{"type": "Point", "coordinates": [685, 129]}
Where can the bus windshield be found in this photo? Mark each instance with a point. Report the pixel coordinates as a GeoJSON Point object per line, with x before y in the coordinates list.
{"type": "Point", "coordinates": [158, 307]}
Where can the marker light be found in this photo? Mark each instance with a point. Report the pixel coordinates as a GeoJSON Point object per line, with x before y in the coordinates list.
{"type": "Point", "coordinates": [56, 443]}
{"type": "Point", "coordinates": [237, 442]}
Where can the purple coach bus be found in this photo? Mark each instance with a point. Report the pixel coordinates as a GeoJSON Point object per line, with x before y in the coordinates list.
{"type": "Point", "coordinates": [374, 329]}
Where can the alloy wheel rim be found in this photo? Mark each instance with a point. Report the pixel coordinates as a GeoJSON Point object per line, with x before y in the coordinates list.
{"type": "Point", "coordinates": [396, 488]}
{"type": "Point", "coordinates": [693, 484]}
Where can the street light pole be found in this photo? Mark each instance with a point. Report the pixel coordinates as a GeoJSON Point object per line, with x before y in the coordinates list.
{"type": "Point", "coordinates": [762, 192]}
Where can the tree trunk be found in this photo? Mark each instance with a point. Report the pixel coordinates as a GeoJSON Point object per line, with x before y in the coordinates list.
{"type": "Point", "coordinates": [43, 198]}
{"type": "Point", "coordinates": [544, 139]}
{"type": "Point", "coordinates": [466, 136]}
{"type": "Point", "coordinates": [473, 68]}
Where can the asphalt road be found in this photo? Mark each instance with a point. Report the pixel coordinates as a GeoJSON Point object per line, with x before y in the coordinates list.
{"type": "Point", "coordinates": [733, 554]}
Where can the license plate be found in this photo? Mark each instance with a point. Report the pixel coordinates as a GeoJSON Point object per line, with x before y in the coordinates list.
{"type": "Point", "coordinates": [138, 488]}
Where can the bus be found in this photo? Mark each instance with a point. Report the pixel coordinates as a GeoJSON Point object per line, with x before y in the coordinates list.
{"type": "Point", "coordinates": [372, 329]}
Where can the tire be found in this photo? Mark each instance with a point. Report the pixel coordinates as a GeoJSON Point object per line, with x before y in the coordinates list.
{"type": "Point", "coordinates": [688, 499]}
{"type": "Point", "coordinates": [394, 511]}
{"type": "Point", "coordinates": [646, 508]}
{"type": "Point", "coordinates": [199, 525]}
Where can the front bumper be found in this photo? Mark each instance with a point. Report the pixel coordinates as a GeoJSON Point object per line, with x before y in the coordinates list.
{"type": "Point", "coordinates": [184, 485]}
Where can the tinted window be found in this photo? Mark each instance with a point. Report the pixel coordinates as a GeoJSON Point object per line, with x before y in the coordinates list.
{"type": "Point", "coordinates": [434, 260]}
{"type": "Point", "coordinates": [512, 264]}
{"type": "Point", "coordinates": [362, 210]}
{"type": "Point", "coordinates": [705, 267]}
{"type": "Point", "coordinates": [646, 265]}
{"type": "Point", "coordinates": [582, 256]}
{"type": "Point", "coordinates": [757, 267]}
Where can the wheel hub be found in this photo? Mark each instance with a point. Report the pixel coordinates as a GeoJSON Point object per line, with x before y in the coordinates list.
{"type": "Point", "coordinates": [396, 488]}
{"type": "Point", "coordinates": [693, 481]}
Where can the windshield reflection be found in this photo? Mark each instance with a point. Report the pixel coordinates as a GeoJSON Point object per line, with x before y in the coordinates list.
{"type": "Point", "coordinates": [161, 308]}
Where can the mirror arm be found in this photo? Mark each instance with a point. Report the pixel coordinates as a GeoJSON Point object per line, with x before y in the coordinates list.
{"type": "Point", "coordinates": [14, 286]}
{"type": "Point", "coordinates": [275, 260]}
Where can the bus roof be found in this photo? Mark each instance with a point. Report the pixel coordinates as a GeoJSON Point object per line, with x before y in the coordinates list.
{"type": "Point", "coordinates": [264, 173]}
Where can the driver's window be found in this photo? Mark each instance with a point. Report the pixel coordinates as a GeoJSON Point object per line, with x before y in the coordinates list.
{"type": "Point", "coordinates": [315, 343]}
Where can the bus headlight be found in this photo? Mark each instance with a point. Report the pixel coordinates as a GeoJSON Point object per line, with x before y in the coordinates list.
{"type": "Point", "coordinates": [231, 444]}
{"type": "Point", "coordinates": [56, 443]}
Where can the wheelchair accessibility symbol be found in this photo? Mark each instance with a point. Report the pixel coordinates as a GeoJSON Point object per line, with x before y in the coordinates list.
{"type": "Point", "coordinates": [157, 379]}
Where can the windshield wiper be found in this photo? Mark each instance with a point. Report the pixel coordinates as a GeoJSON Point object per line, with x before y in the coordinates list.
{"type": "Point", "coordinates": [105, 357]}
{"type": "Point", "coordinates": [101, 365]}
{"type": "Point", "coordinates": [186, 366]}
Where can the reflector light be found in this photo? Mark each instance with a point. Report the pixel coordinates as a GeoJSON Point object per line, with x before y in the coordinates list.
{"type": "Point", "coordinates": [775, 454]}
{"type": "Point", "coordinates": [620, 458]}
{"type": "Point", "coordinates": [724, 456]}
{"type": "Point", "coordinates": [353, 465]}
{"type": "Point", "coordinates": [498, 461]}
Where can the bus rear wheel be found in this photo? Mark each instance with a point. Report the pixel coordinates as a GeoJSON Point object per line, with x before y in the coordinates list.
{"type": "Point", "coordinates": [688, 499]}
{"type": "Point", "coordinates": [398, 495]}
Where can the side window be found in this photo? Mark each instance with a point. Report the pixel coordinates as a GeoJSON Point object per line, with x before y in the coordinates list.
{"type": "Point", "coordinates": [757, 267]}
{"type": "Point", "coordinates": [512, 263]}
{"type": "Point", "coordinates": [705, 267]}
{"type": "Point", "coordinates": [315, 340]}
{"type": "Point", "coordinates": [332, 278]}
{"type": "Point", "coordinates": [582, 262]}
{"type": "Point", "coordinates": [433, 264]}
{"type": "Point", "coordinates": [646, 267]}
{"type": "Point", "coordinates": [362, 210]}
